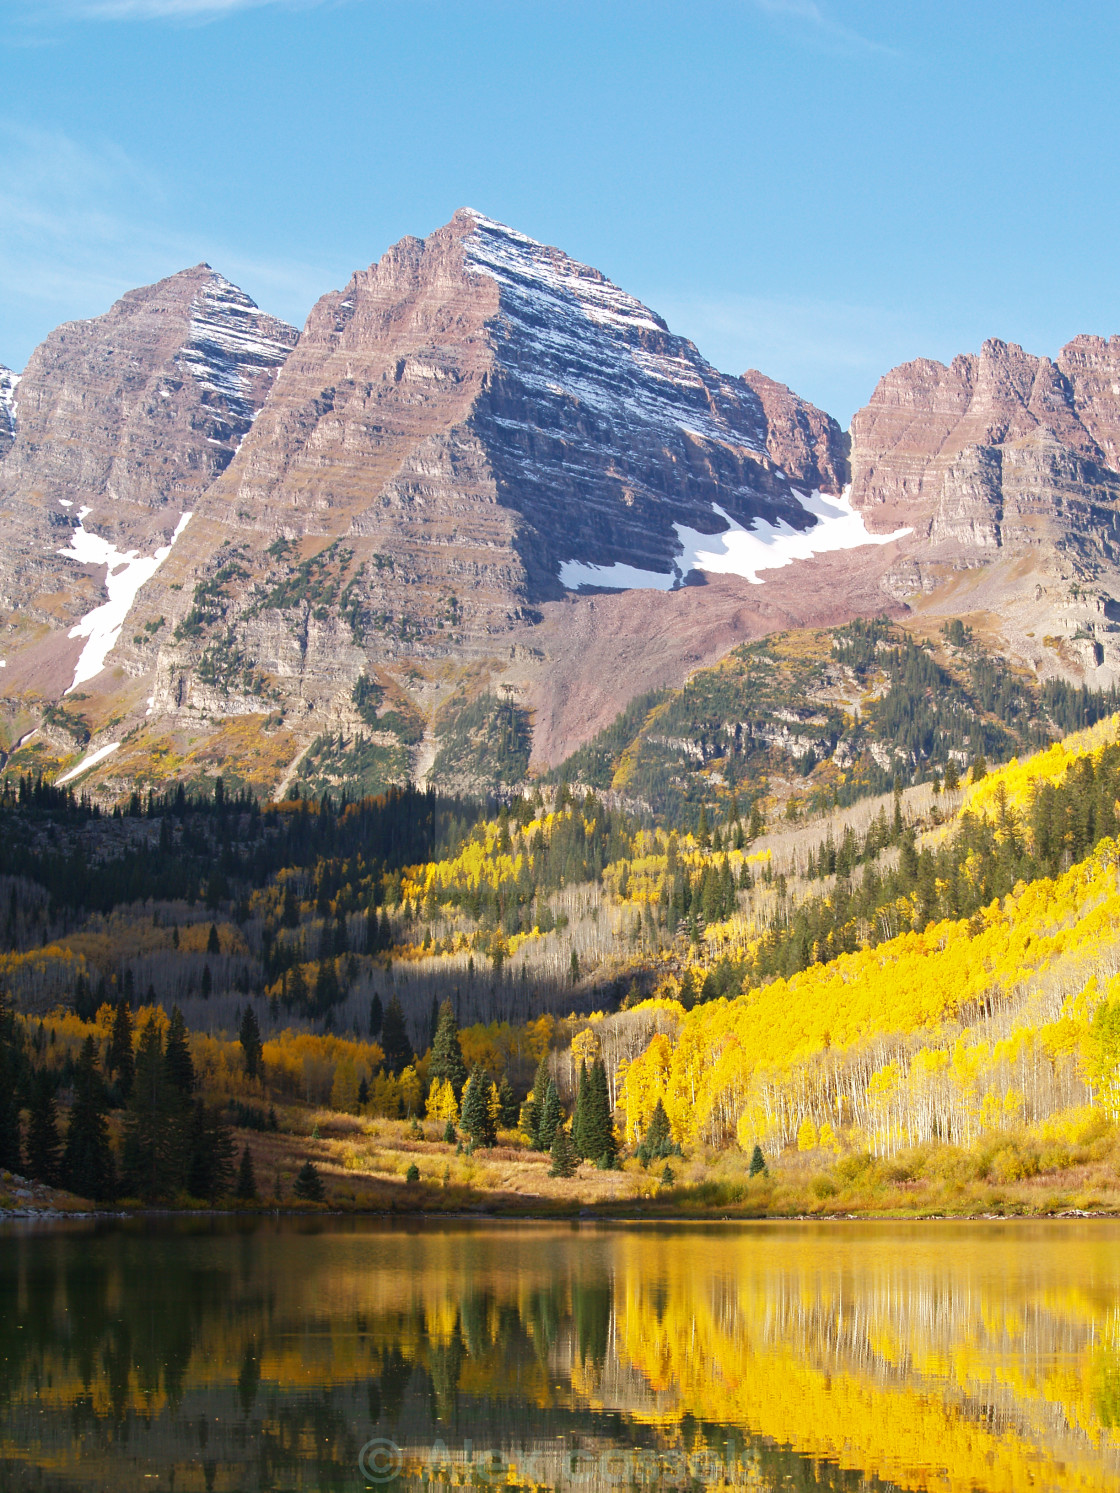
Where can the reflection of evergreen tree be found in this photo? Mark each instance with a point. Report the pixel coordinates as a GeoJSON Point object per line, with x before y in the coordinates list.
{"type": "Point", "coordinates": [591, 1309]}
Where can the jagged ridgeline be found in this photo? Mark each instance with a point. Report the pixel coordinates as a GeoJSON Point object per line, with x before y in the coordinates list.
{"type": "Point", "coordinates": [810, 720]}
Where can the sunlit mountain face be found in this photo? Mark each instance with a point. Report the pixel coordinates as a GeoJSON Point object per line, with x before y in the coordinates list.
{"type": "Point", "coordinates": [284, 1354]}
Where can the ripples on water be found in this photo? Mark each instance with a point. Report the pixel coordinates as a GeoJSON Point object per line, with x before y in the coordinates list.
{"type": "Point", "coordinates": [328, 1355]}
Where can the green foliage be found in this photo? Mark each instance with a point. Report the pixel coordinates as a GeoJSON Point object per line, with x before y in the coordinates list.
{"type": "Point", "coordinates": [446, 1061]}
{"type": "Point", "coordinates": [484, 742]}
{"type": "Point", "coordinates": [565, 1157]}
{"type": "Point", "coordinates": [250, 1038]}
{"type": "Point", "coordinates": [476, 1119]}
{"type": "Point", "coordinates": [552, 1117]}
{"type": "Point", "coordinates": [757, 1166]}
{"type": "Point", "coordinates": [413, 1174]}
{"type": "Point", "coordinates": [44, 1149]}
{"type": "Point", "coordinates": [153, 1160]}
{"type": "Point", "coordinates": [87, 1164]}
{"type": "Point", "coordinates": [657, 1143]}
{"type": "Point", "coordinates": [245, 1190]}
{"type": "Point", "coordinates": [120, 1062]}
{"type": "Point", "coordinates": [308, 1186]}
{"type": "Point", "coordinates": [395, 1041]}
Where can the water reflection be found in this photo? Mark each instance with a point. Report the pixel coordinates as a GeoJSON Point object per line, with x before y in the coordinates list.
{"type": "Point", "coordinates": [285, 1354]}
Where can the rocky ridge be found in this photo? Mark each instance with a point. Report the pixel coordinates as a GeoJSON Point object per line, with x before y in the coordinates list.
{"type": "Point", "coordinates": [8, 382]}
{"type": "Point", "coordinates": [390, 512]}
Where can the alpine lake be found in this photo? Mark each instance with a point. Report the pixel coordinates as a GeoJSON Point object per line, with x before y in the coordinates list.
{"type": "Point", "coordinates": [284, 1353]}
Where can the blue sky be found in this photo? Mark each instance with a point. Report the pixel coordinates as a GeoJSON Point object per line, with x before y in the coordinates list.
{"type": "Point", "coordinates": [818, 188]}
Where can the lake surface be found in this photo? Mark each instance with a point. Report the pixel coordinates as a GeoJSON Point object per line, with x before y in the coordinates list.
{"type": "Point", "coordinates": [276, 1354]}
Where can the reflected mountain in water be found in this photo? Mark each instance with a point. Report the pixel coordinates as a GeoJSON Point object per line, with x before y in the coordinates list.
{"type": "Point", "coordinates": [283, 1354]}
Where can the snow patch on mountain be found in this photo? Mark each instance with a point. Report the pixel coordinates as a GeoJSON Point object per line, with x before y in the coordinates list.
{"type": "Point", "coordinates": [125, 573]}
{"type": "Point", "coordinates": [8, 382]}
{"type": "Point", "coordinates": [741, 551]}
{"type": "Point", "coordinates": [87, 762]}
{"type": "Point", "coordinates": [231, 344]}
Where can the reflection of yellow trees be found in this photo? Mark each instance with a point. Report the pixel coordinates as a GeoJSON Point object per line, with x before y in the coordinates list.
{"type": "Point", "coordinates": [940, 1358]}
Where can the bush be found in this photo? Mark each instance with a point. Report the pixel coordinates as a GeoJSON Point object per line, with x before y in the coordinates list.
{"type": "Point", "coordinates": [413, 1173]}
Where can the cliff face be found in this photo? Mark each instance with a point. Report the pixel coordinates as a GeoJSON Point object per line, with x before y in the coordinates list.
{"type": "Point", "coordinates": [484, 466]}
{"type": "Point", "coordinates": [130, 417]}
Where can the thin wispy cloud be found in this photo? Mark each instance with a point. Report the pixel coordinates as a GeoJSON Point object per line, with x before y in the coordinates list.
{"type": "Point", "coordinates": [812, 22]}
{"type": "Point", "coordinates": [81, 223]}
{"type": "Point", "coordinates": [156, 10]}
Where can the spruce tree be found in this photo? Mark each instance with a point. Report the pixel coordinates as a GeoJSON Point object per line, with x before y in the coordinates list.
{"type": "Point", "coordinates": [177, 1055]}
{"type": "Point", "coordinates": [394, 1039]}
{"type": "Point", "coordinates": [308, 1184]}
{"type": "Point", "coordinates": [210, 1153]}
{"type": "Point", "coordinates": [446, 1062]}
{"type": "Point", "coordinates": [376, 1015]}
{"type": "Point", "coordinates": [87, 1163]}
{"type": "Point", "coordinates": [551, 1117]}
{"type": "Point", "coordinates": [121, 1062]}
{"type": "Point", "coordinates": [246, 1189]}
{"type": "Point", "coordinates": [213, 942]}
{"type": "Point", "coordinates": [250, 1037]}
{"type": "Point", "coordinates": [657, 1143]}
{"type": "Point", "coordinates": [509, 1104]}
{"type": "Point", "coordinates": [565, 1158]}
{"type": "Point", "coordinates": [533, 1108]}
{"type": "Point", "coordinates": [599, 1140]}
{"type": "Point", "coordinates": [153, 1157]}
{"type": "Point", "coordinates": [758, 1162]}
{"type": "Point", "coordinates": [44, 1149]}
{"type": "Point", "coordinates": [10, 1155]}
{"type": "Point", "coordinates": [476, 1119]}
{"type": "Point", "coordinates": [579, 1116]}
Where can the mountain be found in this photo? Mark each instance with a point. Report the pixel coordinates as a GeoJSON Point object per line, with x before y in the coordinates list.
{"type": "Point", "coordinates": [482, 502]}
{"type": "Point", "coordinates": [8, 382]}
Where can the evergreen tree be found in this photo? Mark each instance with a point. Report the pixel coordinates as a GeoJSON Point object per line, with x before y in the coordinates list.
{"type": "Point", "coordinates": [153, 1153]}
{"type": "Point", "coordinates": [250, 1037]}
{"type": "Point", "coordinates": [573, 968]}
{"type": "Point", "coordinates": [44, 1149]}
{"type": "Point", "coordinates": [376, 1016]}
{"type": "Point", "coordinates": [579, 1116]}
{"type": "Point", "coordinates": [308, 1184]}
{"type": "Point", "coordinates": [246, 1189]}
{"type": "Point", "coordinates": [177, 1055]}
{"type": "Point", "coordinates": [599, 1143]}
{"type": "Point", "coordinates": [394, 1039]}
{"type": "Point", "coordinates": [565, 1158]}
{"type": "Point", "coordinates": [446, 1062]}
{"type": "Point", "coordinates": [476, 1119]}
{"type": "Point", "coordinates": [509, 1105]}
{"type": "Point", "coordinates": [533, 1108]}
{"type": "Point", "coordinates": [758, 1162]}
{"type": "Point", "coordinates": [121, 1062]}
{"type": "Point", "coordinates": [657, 1143]}
{"type": "Point", "coordinates": [552, 1116]}
{"type": "Point", "coordinates": [10, 1154]}
{"type": "Point", "coordinates": [87, 1164]}
{"type": "Point", "coordinates": [210, 1153]}
{"type": "Point", "coordinates": [213, 942]}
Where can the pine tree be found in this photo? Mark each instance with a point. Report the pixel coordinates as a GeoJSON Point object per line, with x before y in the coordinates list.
{"type": "Point", "coordinates": [177, 1055]}
{"type": "Point", "coordinates": [10, 1154]}
{"type": "Point", "coordinates": [551, 1117]}
{"type": "Point", "coordinates": [250, 1037]}
{"type": "Point", "coordinates": [579, 1116]}
{"type": "Point", "coordinates": [87, 1164]}
{"type": "Point", "coordinates": [476, 1119]}
{"type": "Point", "coordinates": [573, 968]}
{"type": "Point", "coordinates": [533, 1108]}
{"type": "Point", "coordinates": [508, 1101]}
{"type": "Point", "coordinates": [44, 1148]}
{"type": "Point", "coordinates": [308, 1184]}
{"type": "Point", "coordinates": [153, 1157]}
{"type": "Point", "coordinates": [121, 1062]}
{"type": "Point", "coordinates": [446, 1061]}
{"type": "Point", "coordinates": [657, 1143]}
{"type": "Point", "coordinates": [394, 1039]}
{"type": "Point", "coordinates": [213, 942]}
{"type": "Point", "coordinates": [210, 1153]}
{"type": "Point", "coordinates": [758, 1162]}
{"type": "Point", "coordinates": [565, 1158]}
{"type": "Point", "coordinates": [246, 1188]}
{"type": "Point", "coordinates": [376, 1016]}
{"type": "Point", "coordinates": [599, 1140]}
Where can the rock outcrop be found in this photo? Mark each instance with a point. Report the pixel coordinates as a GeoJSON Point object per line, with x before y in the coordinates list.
{"type": "Point", "coordinates": [808, 445]}
{"type": "Point", "coordinates": [130, 416]}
